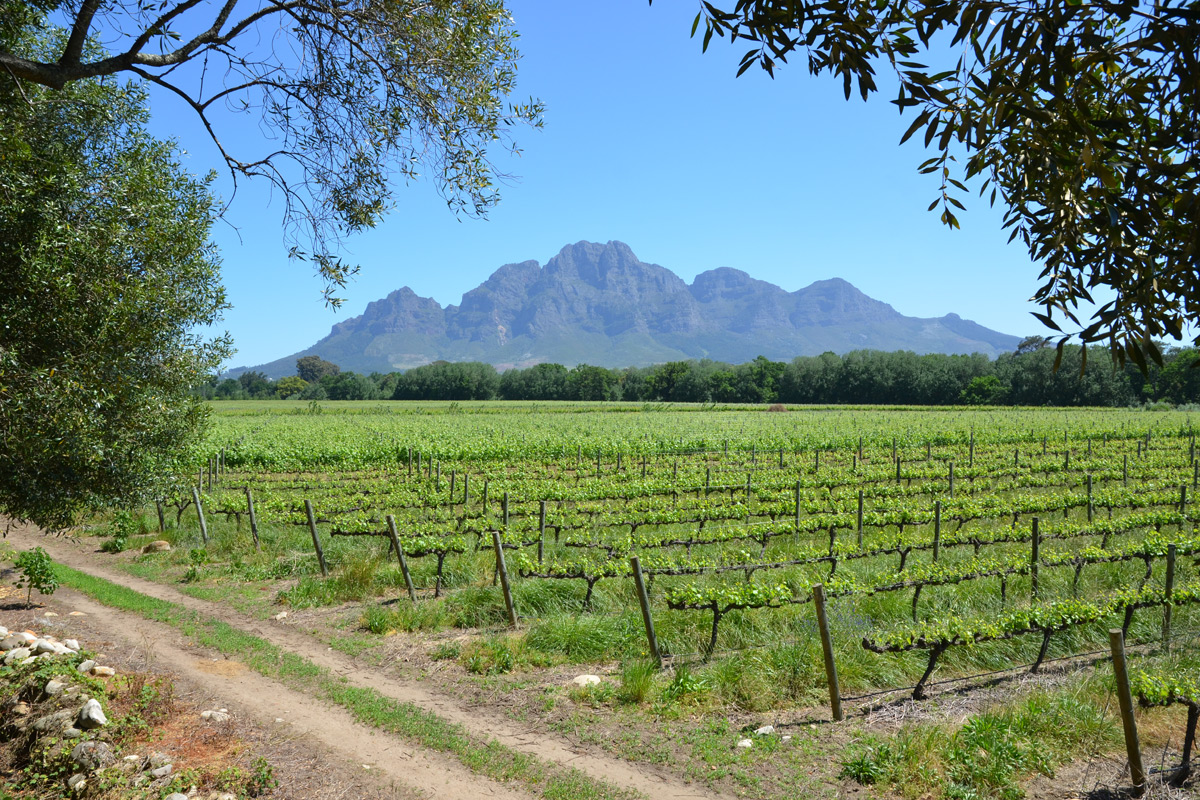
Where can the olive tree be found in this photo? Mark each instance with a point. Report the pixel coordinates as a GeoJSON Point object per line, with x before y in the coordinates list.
{"type": "Point", "coordinates": [1079, 116]}
{"type": "Point", "coordinates": [108, 272]}
{"type": "Point", "coordinates": [350, 94]}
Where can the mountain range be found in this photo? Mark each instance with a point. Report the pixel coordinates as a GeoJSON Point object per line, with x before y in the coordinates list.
{"type": "Point", "coordinates": [599, 304]}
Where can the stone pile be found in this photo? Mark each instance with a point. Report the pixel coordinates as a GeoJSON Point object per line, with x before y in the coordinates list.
{"type": "Point", "coordinates": [58, 711]}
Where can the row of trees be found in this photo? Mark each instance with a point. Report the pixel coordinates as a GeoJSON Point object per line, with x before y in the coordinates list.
{"type": "Point", "coordinates": [1025, 377]}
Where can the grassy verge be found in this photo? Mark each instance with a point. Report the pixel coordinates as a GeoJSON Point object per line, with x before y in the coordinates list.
{"type": "Point", "coordinates": [369, 707]}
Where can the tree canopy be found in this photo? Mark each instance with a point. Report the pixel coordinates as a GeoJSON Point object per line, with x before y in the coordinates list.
{"type": "Point", "coordinates": [1080, 117]}
{"type": "Point", "coordinates": [349, 95]}
{"type": "Point", "coordinates": [107, 271]}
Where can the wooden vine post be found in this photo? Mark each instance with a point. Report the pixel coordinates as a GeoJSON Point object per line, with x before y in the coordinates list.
{"type": "Point", "coordinates": [542, 533]}
{"type": "Point", "coordinates": [835, 695]}
{"type": "Point", "coordinates": [1090, 507]}
{"type": "Point", "coordinates": [860, 519]}
{"type": "Point", "coordinates": [1137, 772]}
{"type": "Point", "coordinates": [1035, 542]}
{"type": "Point", "coordinates": [1168, 591]}
{"type": "Point", "coordinates": [797, 512]}
{"type": "Point", "coordinates": [504, 587]}
{"type": "Point", "coordinates": [635, 567]}
{"type": "Point", "coordinates": [162, 522]}
{"type": "Point", "coordinates": [937, 528]}
{"type": "Point", "coordinates": [391, 523]}
{"type": "Point", "coordinates": [200, 515]}
{"type": "Point", "coordinates": [312, 528]}
{"type": "Point", "coordinates": [253, 519]}
{"type": "Point", "coordinates": [950, 478]}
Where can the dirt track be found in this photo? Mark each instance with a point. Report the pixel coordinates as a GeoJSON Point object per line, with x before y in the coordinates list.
{"type": "Point", "coordinates": [428, 772]}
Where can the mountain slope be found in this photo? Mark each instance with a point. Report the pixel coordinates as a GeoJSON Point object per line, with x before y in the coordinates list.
{"type": "Point", "coordinates": [598, 304]}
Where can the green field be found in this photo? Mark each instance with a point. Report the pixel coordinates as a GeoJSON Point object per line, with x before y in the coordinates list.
{"type": "Point", "coordinates": [918, 522]}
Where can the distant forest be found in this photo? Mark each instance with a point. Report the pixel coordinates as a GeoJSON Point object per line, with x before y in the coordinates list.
{"type": "Point", "coordinates": [1025, 377]}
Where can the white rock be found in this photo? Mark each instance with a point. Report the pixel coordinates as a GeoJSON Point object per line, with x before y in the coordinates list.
{"type": "Point", "coordinates": [103, 672]}
{"type": "Point", "coordinates": [91, 716]}
{"type": "Point", "coordinates": [176, 796]}
{"type": "Point", "coordinates": [765, 730]}
{"type": "Point", "coordinates": [85, 666]}
{"type": "Point", "coordinates": [76, 614]}
{"type": "Point", "coordinates": [158, 546]}
{"type": "Point", "coordinates": [11, 643]}
{"type": "Point", "coordinates": [215, 716]}
{"type": "Point", "coordinates": [586, 680]}
{"type": "Point", "coordinates": [161, 772]}
{"type": "Point", "coordinates": [76, 782]}
{"type": "Point", "coordinates": [43, 646]}
{"type": "Point", "coordinates": [29, 660]}
{"type": "Point", "coordinates": [49, 614]}
{"type": "Point", "coordinates": [787, 737]}
{"type": "Point", "coordinates": [54, 687]}
{"type": "Point", "coordinates": [71, 644]}
{"type": "Point", "coordinates": [3, 632]}
{"type": "Point", "coordinates": [279, 616]}
{"type": "Point", "coordinates": [29, 638]}
{"type": "Point", "coordinates": [15, 655]}
{"type": "Point", "coordinates": [745, 743]}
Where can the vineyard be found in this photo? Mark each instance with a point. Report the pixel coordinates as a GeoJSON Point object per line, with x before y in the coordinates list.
{"type": "Point", "coordinates": [941, 545]}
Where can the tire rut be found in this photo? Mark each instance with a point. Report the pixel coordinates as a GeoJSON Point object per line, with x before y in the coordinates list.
{"type": "Point", "coordinates": [647, 780]}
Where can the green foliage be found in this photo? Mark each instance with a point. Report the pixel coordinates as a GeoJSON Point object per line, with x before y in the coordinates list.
{"type": "Point", "coordinates": [108, 273]}
{"type": "Point", "coordinates": [122, 526]}
{"type": "Point", "coordinates": [1061, 111]}
{"type": "Point", "coordinates": [37, 572]}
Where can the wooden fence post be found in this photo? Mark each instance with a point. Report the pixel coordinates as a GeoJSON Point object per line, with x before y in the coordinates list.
{"type": "Point", "coordinates": [508, 601]}
{"type": "Point", "coordinates": [644, 599]}
{"type": "Point", "coordinates": [200, 515]}
{"type": "Point", "coordinates": [466, 490]}
{"type": "Point", "coordinates": [1133, 749]}
{"type": "Point", "coordinates": [253, 519]}
{"type": "Point", "coordinates": [162, 522]}
{"type": "Point", "coordinates": [506, 509]}
{"type": "Point", "coordinates": [835, 695]}
{"type": "Point", "coordinates": [391, 523]}
{"type": "Point", "coordinates": [951, 478]}
{"type": "Point", "coordinates": [312, 528]}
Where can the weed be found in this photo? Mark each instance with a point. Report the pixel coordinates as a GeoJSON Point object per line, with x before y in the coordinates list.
{"type": "Point", "coordinates": [637, 679]}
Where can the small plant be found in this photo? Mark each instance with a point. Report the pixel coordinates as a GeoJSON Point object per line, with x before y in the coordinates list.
{"type": "Point", "coordinates": [37, 572]}
{"type": "Point", "coordinates": [637, 679]}
{"type": "Point", "coordinates": [197, 558]}
{"type": "Point", "coordinates": [122, 526]}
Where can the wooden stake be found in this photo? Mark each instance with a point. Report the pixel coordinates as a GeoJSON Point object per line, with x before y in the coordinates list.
{"type": "Point", "coordinates": [253, 519]}
{"type": "Point", "coordinates": [951, 478]}
{"type": "Point", "coordinates": [312, 528]}
{"type": "Point", "coordinates": [500, 568]}
{"type": "Point", "coordinates": [1167, 593]}
{"type": "Point", "coordinates": [200, 516]}
{"type": "Point", "coordinates": [860, 521]}
{"type": "Point", "coordinates": [1035, 540]}
{"type": "Point", "coordinates": [542, 528]}
{"type": "Point", "coordinates": [1091, 509]}
{"type": "Point", "coordinates": [835, 695]}
{"type": "Point", "coordinates": [797, 508]}
{"type": "Point", "coordinates": [937, 528]}
{"type": "Point", "coordinates": [1133, 749]}
{"type": "Point", "coordinates": [162, 522]}
{"type": "Point", "coordinates": [644, 599]}
{"type": "Point", "coordinates": [391, 523]}
{"type": "Point", "coordinates": [506, 509]}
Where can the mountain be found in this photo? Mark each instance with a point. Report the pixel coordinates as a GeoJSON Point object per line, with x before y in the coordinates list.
{"type": "Point", "coordinates": [598, 304]}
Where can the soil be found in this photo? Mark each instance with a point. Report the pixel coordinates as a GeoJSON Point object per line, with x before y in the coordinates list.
{"type": "Point", "coordinates": [305, 767]}
{"type": "Point", "coordinates": [426, 771]}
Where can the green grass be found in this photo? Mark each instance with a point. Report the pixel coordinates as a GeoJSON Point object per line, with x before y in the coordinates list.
{"type": "Point", "coordinates": [989, 755]}
{"type": "Point", "coordinates": [368, 706]}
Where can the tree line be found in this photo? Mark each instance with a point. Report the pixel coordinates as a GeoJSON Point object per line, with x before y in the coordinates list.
{"type": "Point", "coordinates": [1026, 377]}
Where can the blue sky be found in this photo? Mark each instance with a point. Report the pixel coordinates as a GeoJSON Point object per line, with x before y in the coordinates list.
{"type": "Point", "coordinates": [651, 142]}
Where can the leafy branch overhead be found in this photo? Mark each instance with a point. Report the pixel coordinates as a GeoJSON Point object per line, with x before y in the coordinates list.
{"type": "Point", "coordinates": [349, 95]}
{"type": "Point", "coordinates": [1080, 117]}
